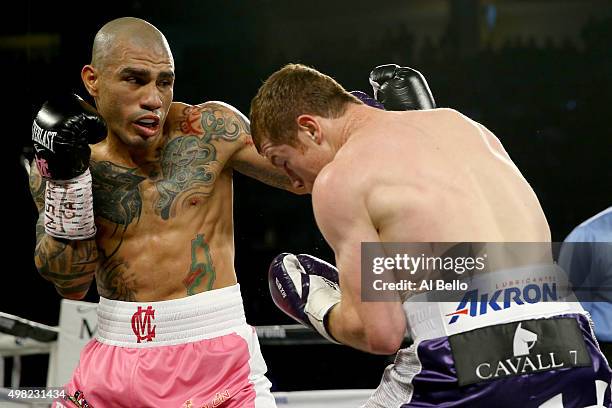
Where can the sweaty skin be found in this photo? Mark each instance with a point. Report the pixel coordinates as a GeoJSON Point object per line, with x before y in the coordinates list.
{"type": "Point", "coordinates": [415, 176]}
{"type": "Point", "coordinates": [162, 180]}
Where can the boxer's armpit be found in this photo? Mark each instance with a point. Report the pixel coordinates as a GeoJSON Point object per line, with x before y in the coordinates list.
{"type": "Point", "coordinates": [69, 265]}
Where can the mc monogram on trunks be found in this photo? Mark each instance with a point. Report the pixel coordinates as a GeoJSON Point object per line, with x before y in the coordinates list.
{"type": "Point", "coordinates": [141, 324]}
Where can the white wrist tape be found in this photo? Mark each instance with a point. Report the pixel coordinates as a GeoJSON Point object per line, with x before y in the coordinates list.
{"type": "Point", "coordinates": [69, 208]}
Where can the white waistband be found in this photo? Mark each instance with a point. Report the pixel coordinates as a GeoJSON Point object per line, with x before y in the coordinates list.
{"type": "Point", "coordinates": [429, 320]}
{"type": "Point", "coordinates": [149, 324]}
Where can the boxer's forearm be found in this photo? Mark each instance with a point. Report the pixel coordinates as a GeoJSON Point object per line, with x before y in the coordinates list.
{"type": "Point", "coordinates": [248, 162]}
{"type": "Point", "coordinates": [348, 328]}
{"type": "Point", "coordinates": [262, 171]}
{"type": "Point", "coordinates": [69, 265]}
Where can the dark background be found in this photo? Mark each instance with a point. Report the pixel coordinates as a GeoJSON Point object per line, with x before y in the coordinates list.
{"type": "Point", "coordinates": [537, 73]}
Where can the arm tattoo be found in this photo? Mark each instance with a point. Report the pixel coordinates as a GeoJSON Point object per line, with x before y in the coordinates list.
{"type": "Point", "coordinates": [215, 123]}
{"type": "Point", "coordinates": [114, 280]}
{"type": "Point", "coordinates": [70, 265]}
{"type": "Point", "coordinates": [115, 193]}
{"type": "Point", "coordinates": [202, 271]}
{"type": "Point", "coordinates": [270, 177]}
{"type": "Point", "coordinates": [40, 227]}
{"type": "Point", "coordinates": [37, 188]}
{"type": "Point", "coordinates": [219, 125]}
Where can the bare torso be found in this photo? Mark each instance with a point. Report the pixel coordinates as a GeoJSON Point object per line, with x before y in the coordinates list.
{"type": "Point", "coordinates": [436, 176]}
{"type": "Point", "coordinates": [429, 176]}
{"type": "Point", "coordinates": [165, 230]}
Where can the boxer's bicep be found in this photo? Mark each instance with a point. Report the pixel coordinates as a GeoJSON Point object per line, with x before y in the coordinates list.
{"type": "Point", "coordinates": [345, 239]}
{"type": "Point", "coordinates": [223, 122]}
{"type": "Point", "coordinates": [225, 127]}
{"type": "Point", "coordinates": [345, 223]}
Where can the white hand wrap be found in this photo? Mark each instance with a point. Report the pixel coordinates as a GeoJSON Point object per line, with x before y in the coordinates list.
{"type": "Point", "coordinates": [69, 208]}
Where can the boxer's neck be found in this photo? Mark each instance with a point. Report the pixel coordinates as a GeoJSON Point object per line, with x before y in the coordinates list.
{"type": "Point", "coordinates": [346, 125]}
{"type": "Point", "coordinates": [147, 159]}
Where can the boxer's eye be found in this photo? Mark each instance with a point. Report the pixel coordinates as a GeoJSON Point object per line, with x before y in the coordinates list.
{"type": "Point", "coordinates": [135, 80]}
{"type": "Point", "coordinates": [275, 162]}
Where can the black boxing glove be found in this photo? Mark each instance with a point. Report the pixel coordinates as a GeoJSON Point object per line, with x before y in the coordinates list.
{"type": "Point", "coordinates": [401, 88]}
{"type": "Point", "coordinates": [61, 133]}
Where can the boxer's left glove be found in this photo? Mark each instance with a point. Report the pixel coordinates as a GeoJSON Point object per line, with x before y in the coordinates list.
{"type": "Point", "coordinates": [61, 133]}
{"type": "Point", "coordinates": [306, 288]}
{"type": "Point", "coordinates": [401, 88]}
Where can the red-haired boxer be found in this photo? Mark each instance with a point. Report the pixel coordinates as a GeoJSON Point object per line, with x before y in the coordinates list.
{"type": "Point", "coordinates": [429, 176]}
{"type": "Point", "coordinates": [171, 323]}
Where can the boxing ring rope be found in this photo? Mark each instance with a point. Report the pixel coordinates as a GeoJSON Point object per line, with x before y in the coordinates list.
{"type": "Point", "coordinates": [20, 337]}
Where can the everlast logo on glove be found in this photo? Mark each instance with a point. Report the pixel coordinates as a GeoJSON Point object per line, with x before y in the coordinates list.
{"type": "Point", "coordinates": [43, 137]}
{"type": "Point", "coordinates": [518, 348]}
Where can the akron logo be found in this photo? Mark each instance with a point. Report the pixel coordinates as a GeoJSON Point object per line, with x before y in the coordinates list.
{"type": "Point", "coordinates": [475, 304]}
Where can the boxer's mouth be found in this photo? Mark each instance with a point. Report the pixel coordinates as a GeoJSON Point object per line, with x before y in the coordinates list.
{"type": "Point", "coordinates": [147, 125]}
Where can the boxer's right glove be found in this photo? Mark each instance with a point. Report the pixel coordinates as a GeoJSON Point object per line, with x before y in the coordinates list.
{"type": "Point", "coordinates": [306, 288]}
{"type": "Point", "coordinates": [401, 88]}
{"type": "Point", "coordinates": [61, 133]}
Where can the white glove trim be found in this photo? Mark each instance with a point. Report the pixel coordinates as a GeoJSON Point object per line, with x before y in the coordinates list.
{"type": "Point", "coordinates": [295, 271]}
{"type": "Point", "coordinates": [324, 294]}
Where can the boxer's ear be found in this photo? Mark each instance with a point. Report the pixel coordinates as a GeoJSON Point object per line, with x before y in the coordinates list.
{"type": "Point", "coordinates": [309, 125]}
{"type": "Point", "coordinates": [89, 75]}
